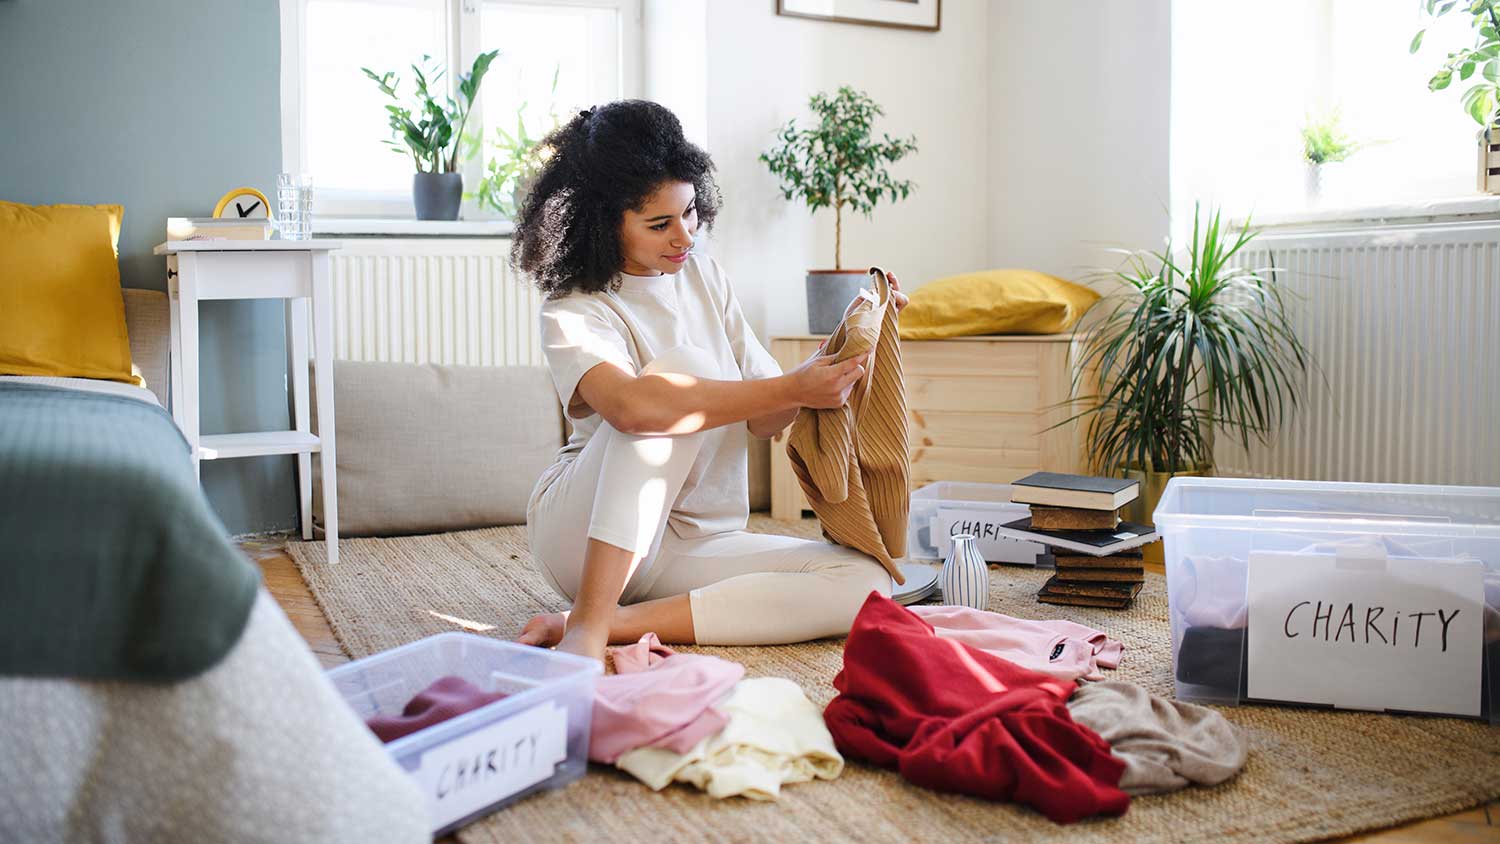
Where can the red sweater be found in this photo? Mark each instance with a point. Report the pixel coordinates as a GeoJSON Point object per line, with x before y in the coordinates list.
{"type": "Point", "coordinates": [952, 718]}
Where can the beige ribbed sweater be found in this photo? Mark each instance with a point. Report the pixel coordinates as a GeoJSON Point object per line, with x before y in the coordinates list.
{"type": "Point", "coordinates": [853, 461]}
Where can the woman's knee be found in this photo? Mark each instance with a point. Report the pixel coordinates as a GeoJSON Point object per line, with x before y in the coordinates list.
{"type": "Point", "coordinates": [684, 360]}
{"type": "Point", "coordinates": [853, 579]}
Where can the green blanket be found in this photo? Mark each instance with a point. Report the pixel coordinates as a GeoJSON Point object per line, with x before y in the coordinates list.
{"type": "Point", "coordinates": [112, 565]}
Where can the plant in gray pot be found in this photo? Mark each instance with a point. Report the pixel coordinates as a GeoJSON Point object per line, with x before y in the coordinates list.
{"type": "Point", "coordinates": [429, 129]}
{"type": "Point", "coordinates": [837, 164]}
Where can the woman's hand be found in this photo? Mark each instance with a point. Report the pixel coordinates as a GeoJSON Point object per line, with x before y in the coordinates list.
{"type": "Point", "coordinates": [823, 382]}
{"type": "Point", "coordinates": [899, 299]}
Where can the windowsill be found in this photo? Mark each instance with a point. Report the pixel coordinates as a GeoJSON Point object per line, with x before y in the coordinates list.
{"type": "Point", "coordinates": [1456, 208]}
{"type": "Point", "coordinates": [385, 227]}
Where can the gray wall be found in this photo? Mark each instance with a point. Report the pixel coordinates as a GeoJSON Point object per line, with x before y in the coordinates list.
{"type": "Point", "coordinates": [162, 106]}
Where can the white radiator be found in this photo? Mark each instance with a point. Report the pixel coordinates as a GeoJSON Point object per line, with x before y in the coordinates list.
{"type": "Point", "coordinates": [437, 300]}
{"type": "Point", "coordinates": [1404, 324]}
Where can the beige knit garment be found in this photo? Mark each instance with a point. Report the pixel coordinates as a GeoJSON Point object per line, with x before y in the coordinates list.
{"type": "Point", "coordinates": [852, 461]}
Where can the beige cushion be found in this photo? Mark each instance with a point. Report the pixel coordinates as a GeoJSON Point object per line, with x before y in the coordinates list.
{"type": "Point", "coordinates": [425, 448]}
{"type": "Point", "coordinates": [150, 332]}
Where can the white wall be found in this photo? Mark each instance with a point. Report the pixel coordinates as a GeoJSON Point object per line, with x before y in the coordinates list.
{"type": "Point", "coordinates": [1078, 112]}
{"type": "Point", "coordinates": [761, 69]}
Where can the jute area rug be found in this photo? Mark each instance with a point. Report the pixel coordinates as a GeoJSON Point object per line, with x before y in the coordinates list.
{"type": "Point", "coordinates": [1311, 775]}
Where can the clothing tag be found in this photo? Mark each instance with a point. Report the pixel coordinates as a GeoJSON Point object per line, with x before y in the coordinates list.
{"type": "Point", "coordinates": [1126, 535]}
{"type": "Point", "coordinates": [1057, 650]}
{"type": "Point", "coordinates": [868, 296]}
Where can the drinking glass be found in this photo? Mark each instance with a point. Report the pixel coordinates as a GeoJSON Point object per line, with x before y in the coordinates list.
{"type": "Point", "coordinates": [294, 206]}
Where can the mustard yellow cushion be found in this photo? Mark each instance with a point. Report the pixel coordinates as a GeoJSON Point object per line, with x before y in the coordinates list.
{"type": "Point", "coordinates": [61, 311]}
{"type": "Point", "coordinates": [994, 302]}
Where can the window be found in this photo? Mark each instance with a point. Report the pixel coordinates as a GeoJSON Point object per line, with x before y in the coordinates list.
{"type": "Point", "coordinates": [1245, 78]}
{"type": "Point", "coordinates": [556, 57]}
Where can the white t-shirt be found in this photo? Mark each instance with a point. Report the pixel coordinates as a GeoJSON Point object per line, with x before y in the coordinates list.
{"type": "Point", "coordinates": [628, 328]}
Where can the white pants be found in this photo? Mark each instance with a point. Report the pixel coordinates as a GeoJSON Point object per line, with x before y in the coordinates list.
{"type": "Point", "coordinates": [744, 588]}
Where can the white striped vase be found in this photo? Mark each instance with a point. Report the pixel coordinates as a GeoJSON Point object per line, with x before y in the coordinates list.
{"type": "Point", "coordinates": [965, 579]}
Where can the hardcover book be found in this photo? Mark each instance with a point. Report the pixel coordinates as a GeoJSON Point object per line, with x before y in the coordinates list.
{"type": "Point", "coordinates": [1055, 489]}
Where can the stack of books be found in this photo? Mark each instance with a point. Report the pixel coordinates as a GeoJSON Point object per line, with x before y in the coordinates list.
{"type": "Point", "coordinates": [1098, 556]}
{"type": "Point", "coordinates": [218, 228]}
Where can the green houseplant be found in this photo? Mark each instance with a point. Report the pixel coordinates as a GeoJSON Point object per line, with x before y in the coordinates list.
{"type": "Point", "coordinates": [1484, 57]}
{"type": "Point", "coordinates": [1187, 346]}
{"type": "Point", "coordinates": [1324, 142]}
{"type": "Point", "coordinates": [1482, 99]}
{"type": "Point", "coordinates": [514, 161]}
{"type": "Point", "coordinates": [429, 128]}
{"type": "Point", "coordinates": [838, 163]}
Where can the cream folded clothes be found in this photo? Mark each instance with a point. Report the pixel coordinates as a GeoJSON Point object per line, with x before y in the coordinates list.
{"type": "Point", "coordinates": [775, 737]}
{"type": "Point", "coordinates": [1057, 648]}
{"type": "Point", "coordinates": [658, 698]}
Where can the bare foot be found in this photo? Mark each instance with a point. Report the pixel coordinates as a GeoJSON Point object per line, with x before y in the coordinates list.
{"type": "Point", "coordinates": [581, 641]}
{"type": "Point", "coordinates": [544, 630]}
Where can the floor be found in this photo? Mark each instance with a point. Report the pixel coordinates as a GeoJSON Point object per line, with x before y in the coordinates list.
{"type": "Point", "coordinates": [1476, 826]}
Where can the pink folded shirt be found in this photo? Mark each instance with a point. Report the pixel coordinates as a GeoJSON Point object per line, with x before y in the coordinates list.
{"type": "Point", "coordinates": [1058, 648]}
{"type": "Point", "coordinates": [658, 698]}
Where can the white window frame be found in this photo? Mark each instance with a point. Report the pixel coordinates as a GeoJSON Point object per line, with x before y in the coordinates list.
{"type": "Point", "coordinates": [1322, 19]}
{"type": "Point", "coordinates": [462, 46]}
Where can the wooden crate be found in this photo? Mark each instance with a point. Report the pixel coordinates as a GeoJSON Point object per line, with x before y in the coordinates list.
{"type": "Point", "coordinates": [1489, 160]}
{"type": "Point", "coordinates": [978, 410]}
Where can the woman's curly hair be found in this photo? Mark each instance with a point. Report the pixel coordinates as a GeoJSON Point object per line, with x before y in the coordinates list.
{"type": "Point", "coordinates": [605, 160]}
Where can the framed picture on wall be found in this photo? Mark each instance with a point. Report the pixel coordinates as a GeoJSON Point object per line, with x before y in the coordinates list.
{"type": "Point", "coordinates": [902, 14]}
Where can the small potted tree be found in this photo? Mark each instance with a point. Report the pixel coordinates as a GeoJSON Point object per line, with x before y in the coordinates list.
{"type": "Point", "coordinates": [1189, 344]}
{"type": "Point", "coordinates": [429, 130]}
{"type": "Point", "coordinates": [837, 164]}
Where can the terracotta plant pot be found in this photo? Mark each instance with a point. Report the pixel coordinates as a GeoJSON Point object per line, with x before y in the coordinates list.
{"type": "Point", "coordinates": [829, 293]}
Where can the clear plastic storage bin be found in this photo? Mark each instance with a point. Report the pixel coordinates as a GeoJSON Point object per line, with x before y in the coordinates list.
{"type": "Point", "coordinates": [966, 508]}
{"type": "Point", "coordinates": [1347, 595]}
{"type": "Point", "coordinates": [470, 765]}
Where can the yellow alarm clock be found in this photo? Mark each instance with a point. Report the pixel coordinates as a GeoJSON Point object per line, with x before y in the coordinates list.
{"type": "Point", "coordinates": [244, 203]}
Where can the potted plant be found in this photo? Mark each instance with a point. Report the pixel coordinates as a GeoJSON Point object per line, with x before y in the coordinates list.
{"type": "Point", "coordinates": [837, 164]}
{"type": "Point", "coordinates": [429, 130]}
{"type": "Point", "coordinates": [513, 164]}
{"type": "Point", "coordinates": [1323, 142]}
{"type": "Point", "coordinates": [1483, 97]}
{"type": "Point", "coordinates": [1187, 346]}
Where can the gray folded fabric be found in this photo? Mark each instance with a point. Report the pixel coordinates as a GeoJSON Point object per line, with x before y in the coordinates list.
{"type": "Point", "coordinates": [1165, 744]}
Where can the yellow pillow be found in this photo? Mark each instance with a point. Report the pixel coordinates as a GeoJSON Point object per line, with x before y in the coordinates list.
{"type": "Point", "coordinates": [61, 310]}
{"type": "Point", "coordinates": [994, 302]}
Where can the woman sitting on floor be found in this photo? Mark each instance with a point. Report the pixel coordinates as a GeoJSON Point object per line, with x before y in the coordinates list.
{"type": "Point", "coordinates": [641, 521]}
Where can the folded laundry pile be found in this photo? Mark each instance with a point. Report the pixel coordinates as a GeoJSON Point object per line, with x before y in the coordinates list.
{"type": "Point", "coordinates": [953, 717]}
{"type": "Point", "coordinates": [665, 717]}
{"type": "Point", "coordinates": [774, 736]}
{"type": "Point", "coordinates": [658, 699]}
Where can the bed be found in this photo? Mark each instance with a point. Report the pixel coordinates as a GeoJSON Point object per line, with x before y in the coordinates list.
{"type": "Point", "coordinates": [251, 743]}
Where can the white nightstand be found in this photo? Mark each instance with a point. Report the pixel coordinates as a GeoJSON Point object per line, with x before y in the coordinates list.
{"type": "Point", "coordinates": [294, 270]}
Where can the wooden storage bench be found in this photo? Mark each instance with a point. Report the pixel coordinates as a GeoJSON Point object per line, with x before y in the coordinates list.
{"type": "Point", "coordinates": [978, 406]}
